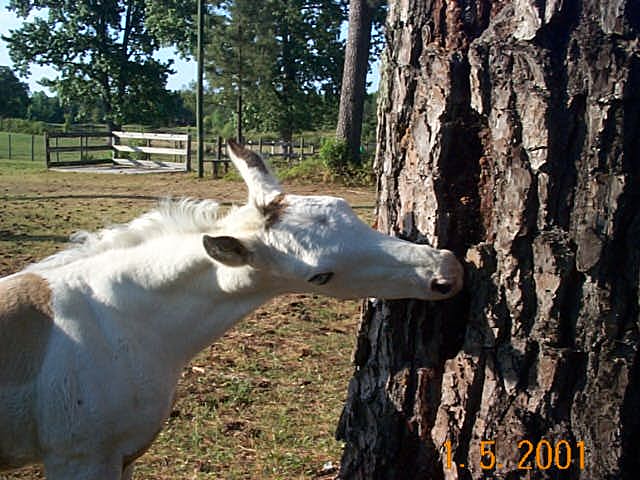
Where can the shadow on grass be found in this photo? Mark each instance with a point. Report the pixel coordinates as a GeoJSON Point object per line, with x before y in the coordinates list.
{"type": "Point", "coordinates": [23, 237]}
{"type": "Point", "coordinates": [18, 198]}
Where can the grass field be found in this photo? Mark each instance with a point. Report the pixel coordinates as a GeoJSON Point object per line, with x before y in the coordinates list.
{"type": "Point", "coordinates": [22, 146]}
{"type": "Point", "coordinates": [263, 401]}
{"type": "Point", "coordinates": [18, 146]}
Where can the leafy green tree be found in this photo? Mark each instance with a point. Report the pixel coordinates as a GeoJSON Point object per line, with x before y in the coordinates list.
{"type": "Point", "coordinates": [45, 108]}
{"type": "Point", "coordinates": [103, 51]}
{"type": "Point", "coordinates": [370, 117]}
{"type": "Point", "coordinates": [175, 112]}
{"type": "Point", "coordinates": [14, 95]}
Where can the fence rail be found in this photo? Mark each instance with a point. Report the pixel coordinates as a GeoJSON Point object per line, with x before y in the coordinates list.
{"type": "Point", "coordinates": [83, 148]}
{"type": "Point", "coordinates": [143, 149]}
{"type": "Point", "coordinates": [171, 144]}
{"type": "Point", "coordinates": [279, 152]}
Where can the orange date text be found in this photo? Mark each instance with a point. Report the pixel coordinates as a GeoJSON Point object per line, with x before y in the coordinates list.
{"type": "Point", "coordinates": [540, 455]}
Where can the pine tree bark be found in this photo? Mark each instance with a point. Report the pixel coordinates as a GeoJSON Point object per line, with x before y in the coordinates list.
{"type": "Point", "coordinates": [354, 76]}
{"type": "Point", "coordinates": [508, 132]}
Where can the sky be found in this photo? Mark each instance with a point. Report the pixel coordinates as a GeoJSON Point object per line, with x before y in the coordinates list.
{"type": "Point", "coordinates": [185, 70]}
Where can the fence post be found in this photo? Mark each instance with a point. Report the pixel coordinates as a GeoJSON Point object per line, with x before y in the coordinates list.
{"type": "Point", "coordinates": [113, 140]}
{"type": "Point", "coordinates": [148, 155]}
{"type": "Point", "coordinates": [301, 148]}
{"type": "Point", "coordinates": [188, 161]}
{"type": "Point", "coordinates": [33, 140]}
{"type": "Point", "coordinates": [218, 156]}
{"type": "Point", "coordinates": [227, 162]}
{"type": "Point", "coordinates": [47, 154]}
{"type": "Point", "coordinates": [9, 146]}
{"type": "Point", "coordinates": [215, 160]}
{"type": "Point", "coordinates": [260, 145]}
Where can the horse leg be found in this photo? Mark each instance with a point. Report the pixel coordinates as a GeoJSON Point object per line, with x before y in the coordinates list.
{"type": "Point", "coordinates": [83, 469]}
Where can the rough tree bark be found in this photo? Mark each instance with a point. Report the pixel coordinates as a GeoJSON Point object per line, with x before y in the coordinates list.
{"type": "Point", "coordinates": [354, 76]}
{"type": "Point", "coordinates": [508, 132]}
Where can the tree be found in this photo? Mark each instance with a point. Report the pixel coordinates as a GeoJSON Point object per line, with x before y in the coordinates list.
{"type": "Point", "coordinates": [45, 109]}
{"type": "Point", "coordinates": [239, 55]}
{"type": "Point", "coordinates": [309, 52]}
{"type": "Point", "coordinates": [103, 51]}
{"type": "Point", "coordinates": [14, 95]}
{"type": "Point", "coordinates": [354, 77]}
{"type": "Point", "coordinates": [509, 133]}
{"type": "Point", "coordinates": [284, 56]}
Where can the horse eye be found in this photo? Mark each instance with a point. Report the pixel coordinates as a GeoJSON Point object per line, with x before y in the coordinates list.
{"type": "Point", "coordinates": [321, 278]}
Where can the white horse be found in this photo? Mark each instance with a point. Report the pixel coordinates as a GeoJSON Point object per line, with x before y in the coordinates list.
{"type": "Point", "coordinates": [93, 339]}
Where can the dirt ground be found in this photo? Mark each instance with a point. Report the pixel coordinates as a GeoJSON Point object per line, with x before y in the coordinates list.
{"type": "Point", "coordinates": [263, 401]}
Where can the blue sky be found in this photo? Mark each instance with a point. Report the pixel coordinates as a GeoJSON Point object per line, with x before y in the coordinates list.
{"type": "Point", "coordinates": [185, 70]}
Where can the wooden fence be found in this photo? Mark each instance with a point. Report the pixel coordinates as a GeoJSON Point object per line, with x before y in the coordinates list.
{"type": "Point", "coordinates": [166, 144]}
{"type": "Point", "coordinates": [151, 150]}
{"type": "Point", "coordinates": [83, 143]}
{"type": "Point", "coordinates": [278, 151]}
{"type": "Point", "coordinates": [122, 148]}
{"type": "Point", "coordinates": [21, 146]}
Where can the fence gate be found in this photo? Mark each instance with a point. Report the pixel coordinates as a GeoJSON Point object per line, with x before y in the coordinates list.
{"type": "Point", "coordinates": [151, 149]}
{"type": "Point", "coordinates": [128, 149]}
{"type": "Point", "coordinates": [79, 148]}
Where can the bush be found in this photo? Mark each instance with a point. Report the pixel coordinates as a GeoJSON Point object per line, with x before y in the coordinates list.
{"type": "Point", "coordinates": [335, 156]}
{"type": "Point", "coordinates": [20, 125]}
{"type": "Point", "coordinates": [309, 170]}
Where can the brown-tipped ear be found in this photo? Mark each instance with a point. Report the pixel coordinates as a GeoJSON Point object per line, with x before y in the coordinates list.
{"type": "Point", "coordinates": [262, 185]}
{"type": "Point", "coordinates": [227, 250]}
{"type": "Point", "coordinates": [251, 158]}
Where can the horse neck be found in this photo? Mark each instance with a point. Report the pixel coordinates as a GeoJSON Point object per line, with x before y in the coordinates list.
{"type": "Point", "coordinates": [173, 295]}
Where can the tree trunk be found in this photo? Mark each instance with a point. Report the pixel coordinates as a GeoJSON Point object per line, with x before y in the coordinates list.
{"type": "Point", "coordinates": [354, 76]}
{"type": "Point", "coordinates": [508, 132]}
{"type": "Point", "coordinates": [239, 105]}
{"type": "Point", "coordinates": [239, 113]}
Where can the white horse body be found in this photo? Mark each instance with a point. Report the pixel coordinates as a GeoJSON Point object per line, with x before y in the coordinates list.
{"type": "Point", "coordinates": [93, 340]}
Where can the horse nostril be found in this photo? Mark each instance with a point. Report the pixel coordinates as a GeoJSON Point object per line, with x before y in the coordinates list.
{"type": "Point", "coordinates": [441, 286]}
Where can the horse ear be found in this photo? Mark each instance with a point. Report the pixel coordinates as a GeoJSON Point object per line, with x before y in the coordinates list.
{"type": "Point", "coordinates": [262, 185]}
{"type": "Point", "coordinates": [227, 250]}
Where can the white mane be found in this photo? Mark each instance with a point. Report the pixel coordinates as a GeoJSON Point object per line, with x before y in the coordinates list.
{"type": "Point", "coordinates": [171, 217]}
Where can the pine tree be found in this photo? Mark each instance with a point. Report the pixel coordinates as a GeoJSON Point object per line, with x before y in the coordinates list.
{"type": "Point", "coordinates": [509, 134]}
{"type": "Point", "coordinates": [277, 62]}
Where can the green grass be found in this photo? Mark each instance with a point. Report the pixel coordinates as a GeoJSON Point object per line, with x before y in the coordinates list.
{"type": "Point", "coordinates": [23, 146]}
{"type": "Point", "coordinates": [263, 401]}
{"type": "Point", "coordinates": [18, 146]}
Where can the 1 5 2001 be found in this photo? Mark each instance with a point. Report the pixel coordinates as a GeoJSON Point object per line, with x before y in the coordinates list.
{"type": "Point", "coordinates": [541, 455]}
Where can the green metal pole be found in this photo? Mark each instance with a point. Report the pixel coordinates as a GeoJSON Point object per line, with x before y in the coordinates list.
{"type": "Point", "coordinates": [199, 89]}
